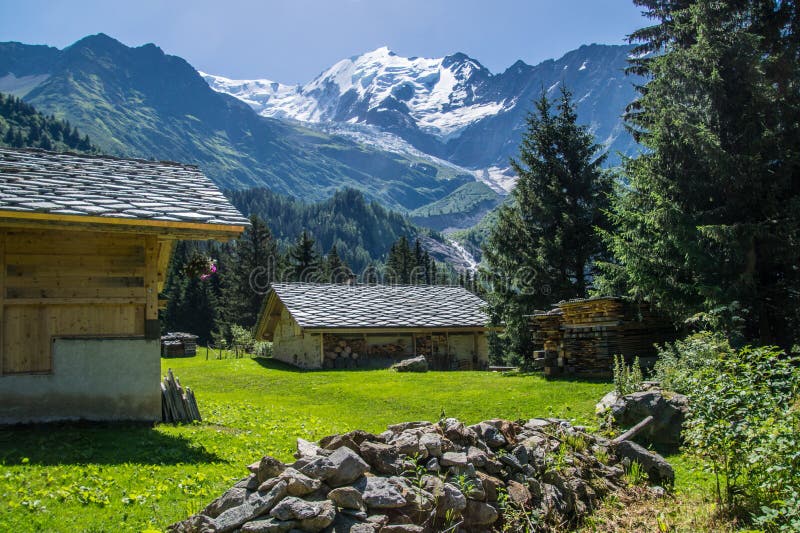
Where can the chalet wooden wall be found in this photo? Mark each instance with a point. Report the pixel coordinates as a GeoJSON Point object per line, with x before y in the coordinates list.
{"type": "Point", "coordinates": [58, 283]}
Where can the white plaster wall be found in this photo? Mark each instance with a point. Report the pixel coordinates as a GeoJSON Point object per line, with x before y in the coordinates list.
{"type": "Point", "coordinates": [291, 346]}
{"type": "Point", "coordinates": [92, 379]}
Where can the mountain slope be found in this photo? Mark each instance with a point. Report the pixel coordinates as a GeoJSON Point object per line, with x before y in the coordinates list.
{"type": "Point", "coordinates": [141, 102]}
{"type": "Point", "coordinates": [451, 107]}
{"type": "Point", "coordinates": [22, 126]}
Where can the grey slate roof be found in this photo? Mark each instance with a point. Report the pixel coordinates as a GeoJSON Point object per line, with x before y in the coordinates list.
{"type": "Point", "coordinates": [38, 181]}
{"type": "Point", "coordinates": [315, 305]}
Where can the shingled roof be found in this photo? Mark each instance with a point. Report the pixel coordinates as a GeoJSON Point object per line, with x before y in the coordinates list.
{"type": "Point", "coordinates": [322, 306]}
{"type": "Point", "coordinates": [37, 181]}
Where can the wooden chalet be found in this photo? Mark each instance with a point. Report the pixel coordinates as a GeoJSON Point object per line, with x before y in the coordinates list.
{"type": "Point", "coordinates": [345, 326]}
{"type": "Point", "coordinates": [85, 242]}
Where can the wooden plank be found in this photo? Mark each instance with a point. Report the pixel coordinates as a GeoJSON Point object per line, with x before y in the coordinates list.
{"type": "Point", "coordinates": [74, 281]}
{"type": "Point", "coordinates": [48, 260]}
{"type": "Point", "coordinates": [2, 294]}
{"type": "Point", "coordinates": [198, 229]}
{"type": "Point", "coordinates": [151, 277]}
{"type": "Point", "coordinates": [165, 248]}
{"type": "Point", "coordinates": [76, 292]}
{"type": "Point", "coordinates": [109, 270]}
{"type": "Point", "coordinates": [75, 301]}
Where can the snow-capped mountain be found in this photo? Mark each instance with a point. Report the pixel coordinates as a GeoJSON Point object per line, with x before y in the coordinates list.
{"type": "Point", "coordinates": [452, 108]}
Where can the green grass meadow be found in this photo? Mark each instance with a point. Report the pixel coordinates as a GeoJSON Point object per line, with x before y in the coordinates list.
{"type": "Point", "coordinates": [82, 477]}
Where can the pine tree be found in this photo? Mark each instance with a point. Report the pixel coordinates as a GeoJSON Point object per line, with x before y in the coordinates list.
{"type": "Point", "coordinates": [708, 224]}
{"type": "Point", "coordinates": [544, 244]}
{"type": "Point", "coordinates": [247, 274]}
{"type": "Point", "coordinates": [336, 270]}
{"type": "Point", "coordinates": [304, 260]}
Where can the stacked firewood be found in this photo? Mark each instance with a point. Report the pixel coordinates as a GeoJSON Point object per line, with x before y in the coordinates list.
{"type": "Point", "coordinates": [424, 345]}
{"type": "Point", "coordinates": [389, 349]}
{"type": "Point", "coordinates": [336, 347]}
{"type": "Point", "coordinates": [177, 404]}
{"type": "Point", "coordinates": [583, 336]}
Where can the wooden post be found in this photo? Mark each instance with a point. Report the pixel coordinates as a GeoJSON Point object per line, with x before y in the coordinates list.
{"type": "Point", "coordinates": [414, 344]}
{"type": "Point", "coordinates": [152, 328]}
{"type": "Point", "coordinates": [2, 296]}
{"type": "Point", "coordinates": [322, 350]}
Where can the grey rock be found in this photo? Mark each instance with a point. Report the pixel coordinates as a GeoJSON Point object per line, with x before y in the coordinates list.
{"type": "Point", "coordinates": [477, 456]}
{"type": "Point", "coordinates": [432, 444]}
{"type": "Point", "coordinates": [383, 458]}
{"type": "Point", "coordinates": [347, 524]}
{"type": "Point", "coordinates": [234, 497]}
{"type": "Point", "coordinates": [348, 466]}
{"type": "Point", "coordinates": [382, 493]}
{"type": "Point", "coordinates": [269, 467]}
{"type": "Point", "coordinates": [521, 453]}
{"type": "Point", "coordinates": [511, 462]}
{"type": "Point", "coordinates": [319, 468]}
{"type": "Point", "coordinates": [292, 508]}
{"type": "Point", "coordinates": [405, 426]}
{"type": "Point", "coordinates": [413, 364]}
{"type": "Point", "coordinates": [268, 525]}
{"type": "Point", "coordinates": [451, 498]}
{"type": "Point", "coordinates": [453, 459]}
{"type": "Point", "coordinates": [402, 528]}
{"type": "Point", "coordinates": [490, 434]}
{"type": "Point", "coordinates": [254, 506]}
{"type": "Point", "coordinates": [659, 471]}
{"type": "Point", "coordinates": [433, 465]}
{"type": "Point", "coordinates": [667, 409]}
{"type": "Point", "coordinates": [479, 514]}
{"type": "Point", "coordinates": [326, 513]}
{"type": "Point", "coordinates": [298, 484]}
{"type": "Point", "coordinates": [347, 497]}
{"type": "Point", "coordinates": [408, 443]}
{"type": "Point", "coordinates": [306, 449]}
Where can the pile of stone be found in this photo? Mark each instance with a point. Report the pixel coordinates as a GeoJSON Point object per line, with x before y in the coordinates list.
{"type": "Point", "coordinates": [422, 477]}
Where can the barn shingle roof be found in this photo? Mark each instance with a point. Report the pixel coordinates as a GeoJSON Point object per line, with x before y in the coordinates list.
{"type": "Point", "coordinates": [315, 305]}
{"type": "Point", "coordinates": [38, 181]}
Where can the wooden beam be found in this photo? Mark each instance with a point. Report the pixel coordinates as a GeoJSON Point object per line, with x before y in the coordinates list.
{"type": "Point", "coordinates": [165, 248]}
{"type": "Point", "coordinates": [180, 230]}
{"type": "Point", "coordinates": [75, 301]}
{"type": "Point", "coordinates": [2, 296]}
{"type": "Point", "coordinates": [151, 286]}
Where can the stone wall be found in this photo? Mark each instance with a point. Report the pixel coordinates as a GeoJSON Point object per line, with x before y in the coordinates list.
{"type": "Point", "coordinates": [420, 477]}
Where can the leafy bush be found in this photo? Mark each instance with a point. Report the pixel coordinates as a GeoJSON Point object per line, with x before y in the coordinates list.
{"type": "Point", "coordinates": [627, 379]}
{"type": "Point", "coordinates": [741, 422]}
{"type": "Point", "coordinates": [262, 349]}
{"type": "Point", "coordinates": [678, 362]}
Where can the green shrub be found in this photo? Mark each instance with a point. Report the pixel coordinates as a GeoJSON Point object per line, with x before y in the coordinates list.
{"type": "Point", "coordinates": [678, 362]}
{"type": "Point", "coordinates": [262, 349]}
{"type": "Point", "coordinates": [627, 379]}
{"type": "Point", "coordinates": [737, 399]}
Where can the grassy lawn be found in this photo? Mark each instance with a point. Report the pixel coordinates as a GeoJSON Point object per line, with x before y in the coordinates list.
{"type": "Point", "coordinates": [135, 478]}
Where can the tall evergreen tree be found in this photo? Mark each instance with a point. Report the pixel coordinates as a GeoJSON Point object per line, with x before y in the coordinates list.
{"type": "Point", "coordinates": [543, 247]}
{"type": "Point", "coordinates": [336, 271]}
{"type": "Point", "coordinates": [303, 259]}
{"type": "Point", "coordinates": [708, 224]}
{"type": "Point", "coordinates": [247, 274]}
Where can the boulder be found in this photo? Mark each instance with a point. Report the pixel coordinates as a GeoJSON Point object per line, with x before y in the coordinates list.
{"type": "Point", "coordinates": [268, 525]}
{"type": "Point", "coordinates": [667, 409]}
{"type": "Point", "coordinates": [479, 514]}
{"type": "Point", "coordinates": [348, 467]}
{"type": "Point", "coordinates": [254, 506]}
{"type": "Point", "coordinates": [347, 498]}
{"type": "Point", "coordinates": [382, 493]}
{"type": "Point", "coordinates": [659, 471]}
{"type": "Point", "coordinates": [413, 364]}
{"type": "Point", "coordinates": [383, 458]}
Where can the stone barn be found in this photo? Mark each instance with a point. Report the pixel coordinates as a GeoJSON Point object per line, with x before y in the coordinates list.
{"type": "Point", "coordinates": [372, 326]}
{"type": "Point", "coordinates": [85, 242]}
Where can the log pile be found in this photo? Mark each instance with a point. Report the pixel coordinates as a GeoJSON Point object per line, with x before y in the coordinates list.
{"type": "Point", "coordinates": [336, 347]}
{"type": "Point", "coordinates": [178, 344]}
{"type": "Point", "coordinates": [389, 349]}
{"type": "Point", "coordinates": [177, 404]}
{"type": "Point", "coordinates": [582, 336]}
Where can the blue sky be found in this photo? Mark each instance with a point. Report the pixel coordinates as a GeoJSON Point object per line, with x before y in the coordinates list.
{"type": "Point", "coordinates": [292, 41]}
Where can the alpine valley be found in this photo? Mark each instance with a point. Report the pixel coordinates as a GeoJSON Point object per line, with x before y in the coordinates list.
{"type": "Point", "coordinates": [429, 138]}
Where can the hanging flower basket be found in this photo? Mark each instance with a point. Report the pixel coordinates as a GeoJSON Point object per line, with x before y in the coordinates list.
{"type": "Point", "coordinates": [200, 266]}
